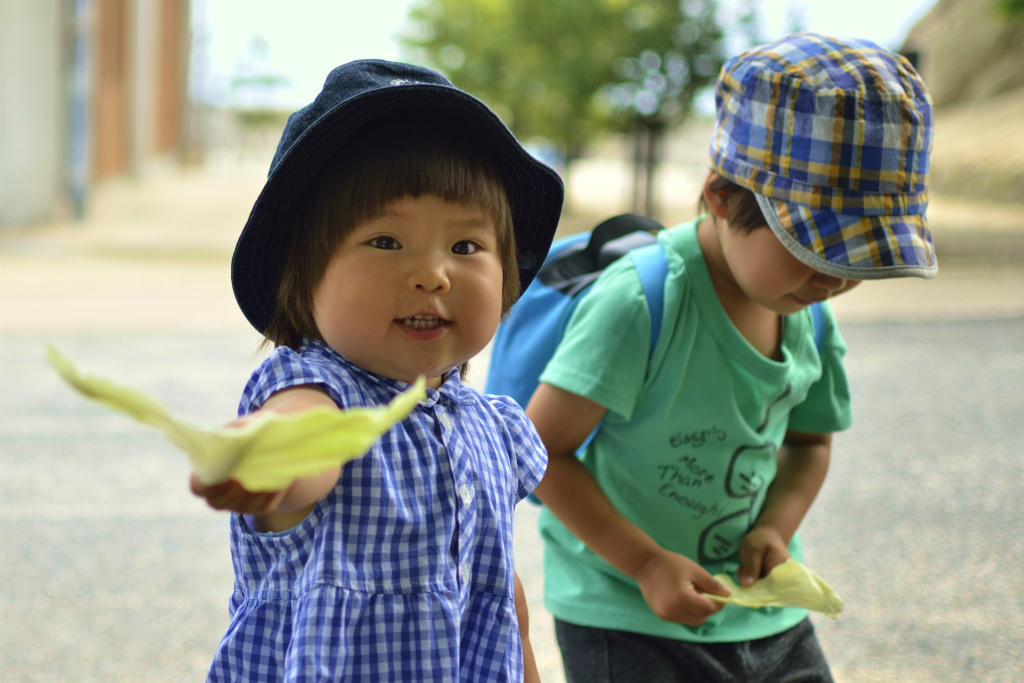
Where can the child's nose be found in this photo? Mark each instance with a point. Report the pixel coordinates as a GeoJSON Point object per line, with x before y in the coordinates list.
{"type": "Point", "coordinates": [826, 281]}
{"type": "Point", "coordinates": [430, 275]}
{"type": "Point", "coordinates": [832, 284]}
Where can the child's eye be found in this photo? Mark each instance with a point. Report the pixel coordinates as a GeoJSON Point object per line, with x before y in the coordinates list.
{"type": "Point", "coordinates": [384, 242]}
{"type": "Point", "coordinates": [465, 248]}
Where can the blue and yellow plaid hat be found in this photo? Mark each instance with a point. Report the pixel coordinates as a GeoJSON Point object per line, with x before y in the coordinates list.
{"type": "Point", "coordinates": [833, 138]}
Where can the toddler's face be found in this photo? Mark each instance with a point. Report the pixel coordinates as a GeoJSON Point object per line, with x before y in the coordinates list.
{"type": "Point", "coordinates": [414, 292]}
{"type": "Point", "coordinates": [771, 276]}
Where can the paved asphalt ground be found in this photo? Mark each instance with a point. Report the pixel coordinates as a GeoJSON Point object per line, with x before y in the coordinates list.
{"type": "Point", "coordinates": [111, 571]}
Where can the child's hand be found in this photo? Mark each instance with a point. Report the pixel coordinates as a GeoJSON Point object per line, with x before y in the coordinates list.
{"type": "Point", "coordinates": [761, 550]}
{"type": "Point", "coordinates": [230, 495]}
{"type": "Point", "coordinates": [672, 585]}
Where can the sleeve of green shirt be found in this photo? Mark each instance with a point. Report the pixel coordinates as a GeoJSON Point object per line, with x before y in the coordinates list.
{"type": "Point", "coordinates": [827, 406]}
{"type": "Point", "coordinates": [604, 351]}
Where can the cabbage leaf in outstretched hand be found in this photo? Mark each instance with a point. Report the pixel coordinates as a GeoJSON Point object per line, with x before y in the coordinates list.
{"type": "Point", "coordinates": [267, 452]}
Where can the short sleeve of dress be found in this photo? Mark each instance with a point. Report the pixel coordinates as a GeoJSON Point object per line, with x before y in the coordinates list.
{"type": "Point", "coordinates": [529, 456]}
{"type": "Point", "coordinates": [827, 406]}
{"type": "Point", "coordinates": [285, 368]}
{"type": "Point", "coordinates": [604, 352]}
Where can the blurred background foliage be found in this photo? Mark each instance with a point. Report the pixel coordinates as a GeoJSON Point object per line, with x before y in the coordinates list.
{"type": "Point", "coordinates": [565, 71]}
{"type": "Point", "coordinates": [1011, 8]}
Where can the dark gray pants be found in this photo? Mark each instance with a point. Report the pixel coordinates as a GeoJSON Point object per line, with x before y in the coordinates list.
{"type": "Point", "coordinates": [594, 655]}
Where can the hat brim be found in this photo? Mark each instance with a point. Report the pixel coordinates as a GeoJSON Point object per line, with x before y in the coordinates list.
{"type": "Point", "coordinates": [535, 191]}
{"type": "Point", "coordinates": [853, 247]}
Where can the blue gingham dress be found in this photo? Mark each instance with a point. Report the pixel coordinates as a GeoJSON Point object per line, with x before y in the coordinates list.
{"type": "Point", "coordinates": [404, 571]}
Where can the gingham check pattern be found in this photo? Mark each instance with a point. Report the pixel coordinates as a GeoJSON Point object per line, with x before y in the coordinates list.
{"type": "Point", "coordinates": [835, 136]}
{"type": "Point", "coordinates": [403, 572]}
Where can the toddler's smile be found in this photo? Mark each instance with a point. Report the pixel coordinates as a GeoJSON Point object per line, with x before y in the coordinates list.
{"type": "Point", "coordinates": [422, 322]}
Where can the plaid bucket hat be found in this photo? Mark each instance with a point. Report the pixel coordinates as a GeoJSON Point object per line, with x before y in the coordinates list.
{"type": "Point", "coordinates": [354, 96]}
{"type": "Point", "coordinates": [833, 138]}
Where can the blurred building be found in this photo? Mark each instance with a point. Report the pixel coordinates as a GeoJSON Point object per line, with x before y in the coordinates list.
{"type": "Point", "coordinates": [968, 50]}
{"type": "Point", "coordinates": [971, 55]}
{"type": "Point", "coordinates": [89, 90]}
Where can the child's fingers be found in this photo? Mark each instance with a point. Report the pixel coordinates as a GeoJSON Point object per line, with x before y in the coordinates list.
{"type": "Point", "coordinates": [759, 557]}
{"type": "Point", "coordinates": [673, 587]}
{"type": "Point", "coordinates": [694, 609]}
{"type": "Point", "coordinates": [687, 607]}
{"type": "Point", "coordinates": [197, 487]}
{"type": "Point", "coordinates": [753, 564]}
{"type": "Point", "coordinates": [208, 491]}
{"type": "Point", "coordinates": [705, 583]}
{"type": "Point", "coordinates": [240, 500]}
{"type": "Point", "coordinates": [772, 559]}
{"type": "Point", "coordinates": [231, 495]}
{"type": "Point", "coordinates": [228, 495]}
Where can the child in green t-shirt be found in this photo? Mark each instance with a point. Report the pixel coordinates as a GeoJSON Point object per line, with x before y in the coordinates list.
{"type": "Point", "coordinates": [713, 446]}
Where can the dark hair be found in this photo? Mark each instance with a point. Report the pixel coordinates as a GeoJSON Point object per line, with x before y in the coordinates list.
{"type": "Point", "coordinates": [744, 211]}
{"type": "Point", "coordinates": [389, 161]}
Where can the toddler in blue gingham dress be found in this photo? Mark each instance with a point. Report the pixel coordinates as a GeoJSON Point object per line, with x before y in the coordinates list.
{"type": "Point", "coordinates": [403, 568]}
{"type": "Point", "coordinates": [399, 222]}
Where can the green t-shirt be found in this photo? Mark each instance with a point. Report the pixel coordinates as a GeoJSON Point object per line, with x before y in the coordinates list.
{"type": "Point", "coordinates": [687, 448]}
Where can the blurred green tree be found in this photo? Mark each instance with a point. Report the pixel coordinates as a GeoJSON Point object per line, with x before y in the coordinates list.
{"type": "Point", "coordinates": [1010, 9]}
{"type": "Point", "coordinates": [565, 70]}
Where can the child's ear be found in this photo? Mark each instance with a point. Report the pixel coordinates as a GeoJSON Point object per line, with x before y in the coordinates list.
{"type": "Point", "coordinates": [717, 200]}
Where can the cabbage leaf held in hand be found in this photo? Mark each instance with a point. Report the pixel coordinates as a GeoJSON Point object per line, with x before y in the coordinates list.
{"type": "Point", "coordinates": [265, 453]}
{"type": "Point", "coordinates": [790, 584]}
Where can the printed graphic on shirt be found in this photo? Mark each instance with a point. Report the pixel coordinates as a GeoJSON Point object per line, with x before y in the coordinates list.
{"type": "Point", "coordinates": [684, 480]}
{"type": "Point", "coordinates": [743, 481]}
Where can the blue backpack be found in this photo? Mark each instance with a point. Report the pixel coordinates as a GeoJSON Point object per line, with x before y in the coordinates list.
{"type": "Point", "coordinates": [528, 337]}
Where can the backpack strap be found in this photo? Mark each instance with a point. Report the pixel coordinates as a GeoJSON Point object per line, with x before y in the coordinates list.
{"type": "Point", "coordinates": [652, 267]}
{"type": "Point", "coordinates": [818, 325]}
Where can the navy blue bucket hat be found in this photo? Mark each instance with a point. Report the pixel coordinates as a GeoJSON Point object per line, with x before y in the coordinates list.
{"type": "Point", "coordinates": [354, 96]}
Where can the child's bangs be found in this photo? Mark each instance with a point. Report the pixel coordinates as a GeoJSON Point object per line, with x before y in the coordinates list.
{"type": "Point", "coordinates": [413, 163]}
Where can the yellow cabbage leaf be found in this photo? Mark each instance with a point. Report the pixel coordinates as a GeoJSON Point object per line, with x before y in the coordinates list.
{"type": "Point", "coordinates": [269, 451]}
{"type": "Point", "coordinates": [790, 584]}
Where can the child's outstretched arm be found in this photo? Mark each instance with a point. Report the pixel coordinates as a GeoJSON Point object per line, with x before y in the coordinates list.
{"type": "Point", "coordinates": [670, 583]}
{"type": "Point", "coordinates": [803, 463]}
{"type": "Point", "coordinates": [275, 510]}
